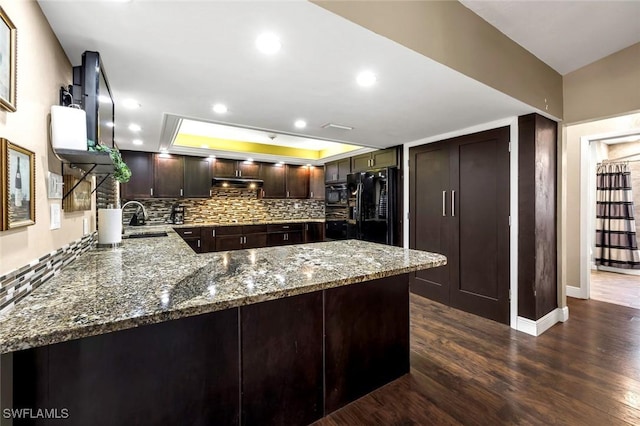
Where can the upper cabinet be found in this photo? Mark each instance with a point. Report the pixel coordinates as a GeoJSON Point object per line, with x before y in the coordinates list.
{"type": "Point", "coordinates": [316, 183]}
{"type": "Point", "coordinates": [234, 168]}
{"type": "Point", "coordinates": [374, 160]}
{"type": "Point", "coordinates": [197, 177]}
{"type": "Point", "coordinates": [274, 181]}
{"type": "Point", "coordinates": [168, 176]}
{"type": "Point", "coordinates": [141, 183]}
{"type": "Point", "coordinates": [337, 171]}
{"type": "Point", "coordinates": [297, 181]}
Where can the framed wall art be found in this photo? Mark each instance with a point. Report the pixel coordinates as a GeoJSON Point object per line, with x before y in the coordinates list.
{"type": "Point", "coordinates": [17, 186]}
{"type": "Point", "coordinates": [7, 62]}
{"type": "Point", "coordinates": [80, 198]}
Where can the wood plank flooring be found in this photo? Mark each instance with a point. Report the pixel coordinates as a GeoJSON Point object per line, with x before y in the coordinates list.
{"type": "Point", "coordinates": [612, 287]}
{"type": "Point", "coordinates": [466, 370]}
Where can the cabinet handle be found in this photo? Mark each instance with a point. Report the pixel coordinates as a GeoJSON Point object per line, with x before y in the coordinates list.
{"type": "Point", "coordinates": [285, 227]}
{"type": "Point", "coordinates": [306, 226]}
{"type": "Point", "coordinates": [287, 194]}
{"type": "Point", "coordinates": [151, 192]}
{"type": "Point", "coordinates": [188, 233]}
{"type": "Point", "coordinates": [286, 237]}
{"type": "Point", "coordinates": [453, 203]}
{"type": "Point", "coordinates": [198, 243]}
{"type": "Point", "coordinates": [311, 194]}
{"type": "Point", "coordinates": [241, 240]}
{"type": "Point", "coordinates": [181, 192]}
{"type": "Point", "coordinates": [444, 203]}
{"type": "Point", "coordinates": [239, 173]}
{"type": "Point", "coordinates": [213, 232]}
{"type": "Point", "coordinates": [210, 193]}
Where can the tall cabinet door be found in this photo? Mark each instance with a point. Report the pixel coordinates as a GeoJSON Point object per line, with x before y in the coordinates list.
{"type": "Point", "coordinates": [480, 188]}
{"type": "Point", "coordinates": [429, 205]}
{"type": "Point", "coordinates": [459, 204]}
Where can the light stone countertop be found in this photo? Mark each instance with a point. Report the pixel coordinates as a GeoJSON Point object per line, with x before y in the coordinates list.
{"type": "Point", "coordinates": [151, 280]}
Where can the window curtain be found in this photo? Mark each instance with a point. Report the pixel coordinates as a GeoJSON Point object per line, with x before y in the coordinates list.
{"type": "Point", "coordinates": [616, 244]}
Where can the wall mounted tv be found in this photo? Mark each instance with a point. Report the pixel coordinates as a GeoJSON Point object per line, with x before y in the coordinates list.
{"type": "Point", "coordinates": [91, 89]}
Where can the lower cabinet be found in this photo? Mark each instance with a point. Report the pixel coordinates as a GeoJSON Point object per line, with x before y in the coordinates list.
{"type": "Point", "coordinates": [313, 232]}
{"type": "Point", "coordinates": [192, 236]}
{"type": "Point", "coordinates": [207, 239]}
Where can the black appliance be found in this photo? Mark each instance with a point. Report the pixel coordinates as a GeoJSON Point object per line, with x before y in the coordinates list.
{"type": "Point", "coordinates": [336, 195]}
{"type": "Point", "coordinates": [177, 214]}
{"type": "Point", "coordinates": [372, 205]}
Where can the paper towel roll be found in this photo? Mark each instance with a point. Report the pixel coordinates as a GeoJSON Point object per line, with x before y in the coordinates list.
{"type": "Point", "coordinates": [109, 226]}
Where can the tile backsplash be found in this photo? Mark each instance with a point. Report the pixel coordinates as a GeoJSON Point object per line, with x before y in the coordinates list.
{"type": "Point", "coordinates": [229, 206]}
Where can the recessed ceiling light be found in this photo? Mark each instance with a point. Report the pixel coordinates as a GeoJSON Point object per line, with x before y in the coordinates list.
{"type": "Point", "coordinates": [300, 124]}
{"type": "Point", "coordinates": [131, 104]}
{"type": "Point", "coordinates": [134, 127]}
{"type": "Point", "coordinates": [109, 124]}
{"type": "Point", "coordinates": [366, 79]}
{"type": "Point", "coordinates": [104, 99]}
{"type": "Point", "coordinates": [268, 43]}
{"type": "Point", "coordinates": [137, 141]}
{"type": "Point", "coordinates": [220, 108]}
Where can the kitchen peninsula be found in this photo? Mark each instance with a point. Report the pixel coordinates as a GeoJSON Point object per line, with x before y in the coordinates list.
{"type": "Point", "coordinates": [152, 332]}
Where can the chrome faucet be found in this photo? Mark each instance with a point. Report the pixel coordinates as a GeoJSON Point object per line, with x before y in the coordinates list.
{"type": "Point", "coordinates": [144, 211]}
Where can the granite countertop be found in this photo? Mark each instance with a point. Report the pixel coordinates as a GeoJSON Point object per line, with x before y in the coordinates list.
{"type": "Point", "coordinates": [151, 280]}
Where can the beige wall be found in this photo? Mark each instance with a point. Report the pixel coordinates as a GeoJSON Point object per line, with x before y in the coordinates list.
{"type": "Point", "coordinates": [571, 206]}
{"type": "Point", "coordinates": [453, 35]}
{"type": "Point", "coordinates": [605, 88]}
{"type": "Point", "coordinates": [42, 69]}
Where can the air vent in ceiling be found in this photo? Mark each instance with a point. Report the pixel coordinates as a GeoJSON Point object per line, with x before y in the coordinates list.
{"type": "Point", "coordinates": [336, 126]}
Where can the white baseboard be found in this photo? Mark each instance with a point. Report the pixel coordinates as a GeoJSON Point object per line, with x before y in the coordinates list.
{"type": "Point", "coordinates": [577, 292]}
{"type": "Point", "coordinates": [536, 328]}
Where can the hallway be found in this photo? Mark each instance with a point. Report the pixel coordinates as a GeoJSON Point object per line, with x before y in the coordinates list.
{"type": "Point", "coordinates": [612, 287]}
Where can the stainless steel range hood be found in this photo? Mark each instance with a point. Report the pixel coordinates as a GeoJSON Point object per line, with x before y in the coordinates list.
{"type": "Point", "coordinates": [220, 182]}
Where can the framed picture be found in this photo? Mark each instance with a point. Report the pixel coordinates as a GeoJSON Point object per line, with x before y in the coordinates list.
{"type": "Point", "coordinates": [55, 186]}
{"type": "Point", "coordinates": [80, 197]}
{"type": "Point", "coordinates": [17, 186]}
{"type": "Point", "coordinates": [7, 62]}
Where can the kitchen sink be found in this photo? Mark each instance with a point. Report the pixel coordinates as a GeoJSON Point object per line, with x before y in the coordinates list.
{"type": "Point", "coordinates": [147, 235]}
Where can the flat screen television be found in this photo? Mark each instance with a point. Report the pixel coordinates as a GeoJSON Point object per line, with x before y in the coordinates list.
{"type": "Point", "coordinates": [92, 89]}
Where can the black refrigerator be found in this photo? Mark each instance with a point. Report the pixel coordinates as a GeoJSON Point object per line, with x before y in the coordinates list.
{"type": "Point", "coordinates": [373, 201]}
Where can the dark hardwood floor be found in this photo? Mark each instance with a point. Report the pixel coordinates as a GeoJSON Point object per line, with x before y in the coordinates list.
{"type": "Point", "coordinates": [472, 371]}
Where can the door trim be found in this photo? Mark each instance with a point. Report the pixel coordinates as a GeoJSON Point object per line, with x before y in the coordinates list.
{"type": "Point", "coordinates": [512, 122]}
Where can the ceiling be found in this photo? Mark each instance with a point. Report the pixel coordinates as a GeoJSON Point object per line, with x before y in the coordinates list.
{"type": "Point", "coordinates": [566, 35]}
{"type": "Point", "coordinates": [179, 58]}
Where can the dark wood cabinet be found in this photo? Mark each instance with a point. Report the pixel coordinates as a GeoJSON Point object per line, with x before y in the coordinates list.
{"type": "Point", "coordinates": [337, 171]}
{"type": "Point", "coordinates": [316, 183]}
{"type": "Point", "coordinates": [191, 236]}
{"type": "Point", "coordinates": [297, 180]}
{"type": "Point", "coordinates": [459, 204]}
{"type": "Point", "coordinates": [224, 168]}
{"type": "Point", "coordinates": [537, 183]}
{"type": "Point", "coordinates": [141, 183]}
{"type": "Point", "coordinates": [313, 232]}
{"type": "Point", "coordinates": [208, 238]}
{"type": "Point", "coordinates": [375, 160]}
{"type": "Point", "coordinates": [197, 177]}
{"type": "Point", "coordinates": [168, 172]}
{"type": "Point", "coordinates": [248, 170]}
{"type": "Point", "coordinates": [274, 181]}
{"type": "Point", "coordinates": [236, 169]}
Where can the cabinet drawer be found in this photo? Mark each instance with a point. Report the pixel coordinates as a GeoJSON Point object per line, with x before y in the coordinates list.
{"type": "Point", "coordinates": [229, 242]}
{"type": "Point", "coordinates": [284, 238]}
{"type": "Point", "coordinates": [188, 232]}
{"type": "Point", "coordinates": [229, 230]}
{"type": "Point", "coordinates": [255, 241]}
{"type": "Point", "coordinates": [285, 227]}
{"type": "Point", "coordinates": [254, 229]}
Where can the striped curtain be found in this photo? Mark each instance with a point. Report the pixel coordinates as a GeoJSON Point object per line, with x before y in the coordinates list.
{"type": "Point", "coordinates": [616, 244]}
